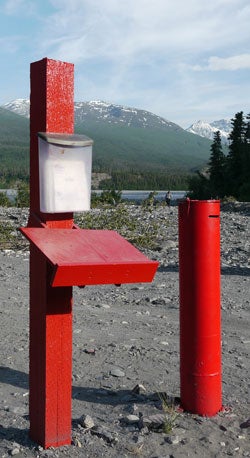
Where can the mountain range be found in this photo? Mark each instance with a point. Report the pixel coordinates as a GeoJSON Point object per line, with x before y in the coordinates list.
{"type": "Point", "coordinates": [125, 138]}
{"type": "Point", "coordinates": [116, 114]}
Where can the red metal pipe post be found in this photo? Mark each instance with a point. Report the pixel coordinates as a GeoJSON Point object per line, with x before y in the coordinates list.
{"type": "Point", "coordinates": [51, 110]}
{"type": "Point", "coordinates": [200, 322]}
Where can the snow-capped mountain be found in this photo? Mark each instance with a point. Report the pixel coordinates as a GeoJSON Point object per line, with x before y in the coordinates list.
{"type": "Point", "coordinates": [119, 114]}
{"type": "Point", "coordinates": [103, 111]}
{"type": "Point", "coordinates": [122, 115]}
{"type": "Point", "coordinates": [124, 138]}
{"type": "Point", "coordinates": [207, 130]}
{"type": "Point", "coordinates": [19, 106]}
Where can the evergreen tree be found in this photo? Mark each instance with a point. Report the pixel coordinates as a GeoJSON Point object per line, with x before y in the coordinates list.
{"type": "Point", "coordinates": [199, 187]}
{"type": "Point", "coordinates": [244, 189]}
{"type": "Point", "coordinates": [235, 156]}
{"type": "Point", "coordinates": [217, 167]}
{"type": "Point", "coordinates": [247, 130]}
{"type": "Point", "coordinates": [229, 175]}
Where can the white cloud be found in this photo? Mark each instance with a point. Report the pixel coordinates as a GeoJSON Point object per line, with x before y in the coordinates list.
{"type": "Point", "coordinates": [142, 53]}
{"type": "Point", "coordinates": [117, 29]}
{"type": "Point", "coordinates": [240, 62]}
{"type": "Point", "coordinates": [229, 63]}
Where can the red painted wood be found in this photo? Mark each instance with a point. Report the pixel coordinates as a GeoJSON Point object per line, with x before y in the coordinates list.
{"type": "Point", "coordinates": [91, 257]}
{"type": "Point", "coordinates": [52, 110]}
{"type": "Point", "coordinates": [50, 356]}
{"type": "Point", "coordinates": [62, 255]}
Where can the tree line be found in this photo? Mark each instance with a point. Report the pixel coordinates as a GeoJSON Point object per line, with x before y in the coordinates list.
{"type": "Point", "coordinates": [152, 180]}
{"type": "Point", "coordinates": [227, 174]}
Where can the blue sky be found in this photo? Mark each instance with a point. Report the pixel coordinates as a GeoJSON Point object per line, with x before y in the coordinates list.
{"type": "Point", "coordinates": [183, 60]}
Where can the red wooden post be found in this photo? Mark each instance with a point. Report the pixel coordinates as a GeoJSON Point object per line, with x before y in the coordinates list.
{"type": "Point", "coordinates": [62, 255]}
{"type": "Point", "coordinates": [200, 334]}
{"type": "Point", "coordinates": [51, 110]}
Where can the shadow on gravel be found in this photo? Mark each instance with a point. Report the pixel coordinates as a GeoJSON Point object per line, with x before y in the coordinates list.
{"type": "Point", "coordinates": [226, 270]}
{"type": "Point", "coordinates": [234, 270]}
{"type": "Point", "coordinates": [236, 207]}
{"type": "Point", "coordinates": [111, 397]}
{"type": "Point", "coordinates": [95, 395]}
{"type": "Point", "coordinates": [173, 268]}
{"type": "Point", "coordinates": [20, 436]}
{"type": "Point", "coordinates": [13, 377]}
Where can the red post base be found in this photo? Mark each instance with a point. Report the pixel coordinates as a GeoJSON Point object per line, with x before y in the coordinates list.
{"type": "Point", "coordinates": [50, 357]}
{"type": "Point", "coordinates": [200, 334]}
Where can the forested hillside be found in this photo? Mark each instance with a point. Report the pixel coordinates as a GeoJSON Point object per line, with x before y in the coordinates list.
{"type": "Point", "coordinates": [14, 147]}
{"type": "Point", "coordinates": [137, 149]}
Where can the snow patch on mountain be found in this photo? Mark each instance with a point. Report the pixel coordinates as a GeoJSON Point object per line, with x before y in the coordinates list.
{"type": "Point", "coordinates": [19, 106]}
{"type": "Point", "coordinates": [207, 130]}
{"type": "Point", "coordinates": [119, 114]}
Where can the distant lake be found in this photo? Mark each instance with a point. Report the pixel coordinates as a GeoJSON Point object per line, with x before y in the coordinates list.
{"type": "Point", "coordinates": [137, 196]}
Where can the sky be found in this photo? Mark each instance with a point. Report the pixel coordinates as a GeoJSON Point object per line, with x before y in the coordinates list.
{"type": "Point", "coordinates": [185, 60]}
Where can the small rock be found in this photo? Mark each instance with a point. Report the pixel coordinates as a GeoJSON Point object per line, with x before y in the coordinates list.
{"type": "Point", "coordinates": [131, 419]}
{"type": "Point", "coordinates": [154, 422]}
{"type": "Point", "coordinates": [104, 434]}
{"type": "Point", "coordinates": [102, 306]}
{"type": "Point", "coordinates": [116, 372]}
{"type": "Point", "coordinates": [132, 408]}
{"type": "Point", "coordinates": [87, 421]}
{"type": "Point", "coordinates": [174, 440]}
{"type": "Point", "coordinates": [105, 306]}
{"type": "Point", "coordinates": [76, 442]}
{"type": "Point", "coordinates": [14, 451]}
{"type": "Point", "coordinates": [135, 450]}
{"type": "Point", "coordinates": [90, 351]}
{"type": "Point", "coordinates": [223, 428]}
{"type": "Point", "coordinates": [138, 389]}
{"type": "Point", "coordinates": [245, 424]}
{"type": "Point", "coordinates": [158, 301]}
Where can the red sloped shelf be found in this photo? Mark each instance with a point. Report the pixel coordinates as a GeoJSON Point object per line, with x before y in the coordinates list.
{"type": "Point", "coordinates": [90, 257]}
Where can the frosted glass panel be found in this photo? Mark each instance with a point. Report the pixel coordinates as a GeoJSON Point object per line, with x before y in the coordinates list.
{"type": "Point", "coordinates": [65, 177]}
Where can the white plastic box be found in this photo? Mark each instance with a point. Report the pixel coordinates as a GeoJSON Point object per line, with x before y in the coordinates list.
{"type": "Point", "coordinates": [65, 163]}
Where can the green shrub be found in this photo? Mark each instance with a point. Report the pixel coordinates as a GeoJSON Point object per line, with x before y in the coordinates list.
{"type": "Point", "coordinates": [140, 231]}
{"type": "Point", "coordinates": [23, 195]}
{"type": "Point", "coordinates": [4, 200]}
{"type": "Point", "coordinates": [7, 235]}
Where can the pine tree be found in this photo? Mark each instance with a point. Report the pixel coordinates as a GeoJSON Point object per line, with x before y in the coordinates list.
{"type": "Point", "coordinates": [244, 190]}
{"type": "Point", "coordinates": [235, 155]}
{"type": "Point", "coordinates": [247, 130]}
{"type": "Point", "coordinates": [217, 167]}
